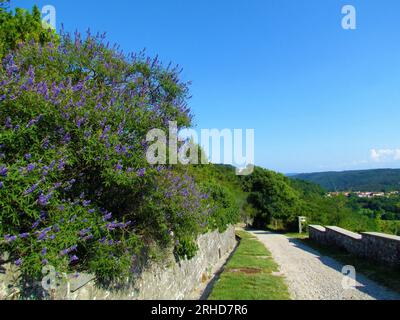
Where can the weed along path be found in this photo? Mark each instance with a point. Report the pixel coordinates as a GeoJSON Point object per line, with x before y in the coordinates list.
{"type": "Point", "coordinates": [310, 275]}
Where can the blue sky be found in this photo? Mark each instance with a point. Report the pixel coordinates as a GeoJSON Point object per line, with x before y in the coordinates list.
{"type": "Point", "coordinates": [319, 97]}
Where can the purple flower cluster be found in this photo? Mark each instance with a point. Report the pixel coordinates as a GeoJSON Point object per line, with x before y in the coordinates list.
{"type": "Point", "coordinates": [34, 121]}
{"type": "Point", "coordinates": [43, 200]}
{"type": "Point", "coordinates": [114, 225]}
{"type": "Point", "coordinates": [84, 232]}
{"type": "Point", "coordinates": [86, 203]}
{"type": "Point", "coordinates": [68, 250]}
{"type": "Point", "coordinates": [8, 238]}
{"type": "Point", "coordinates": [107, 216]}
{"type": "Point", "coordinates": [3, 171]}
{"type": "Point", "coordinates": [44, 234]}
{"type": "Point", "coordinates": [30, 167]}
{"type": "Point", "coordinates": [141, 172]}
{"type": "Point", "coordinates": [31, 189]}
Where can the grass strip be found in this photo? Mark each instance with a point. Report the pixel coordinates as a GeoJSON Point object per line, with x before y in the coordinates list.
{"type": "Point", "coordinates": [248, 275]}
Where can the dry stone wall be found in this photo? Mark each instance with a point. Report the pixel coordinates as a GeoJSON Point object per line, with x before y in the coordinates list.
{"type": "Point", "coordinates": [380, 247]}
{"type": "Point", "coordinates": [170, 280]}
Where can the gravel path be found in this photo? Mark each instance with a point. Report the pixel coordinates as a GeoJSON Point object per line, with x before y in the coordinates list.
{"type": "Point", "coordinates": [311, 276]}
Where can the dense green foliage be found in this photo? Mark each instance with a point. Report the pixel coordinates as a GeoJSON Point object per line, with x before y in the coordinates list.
{"type": "Point", "coordinates": [362, 180]}
{"type": "Point", "coordinates": [19, 27]}
{"type": "Point", "coordinates": [320, 209]}
{"type": "Point", "coordinates": [386, 208]}
{"type": "Point", "coordinates": [272, 196]}
{"type": "Point", "coordinates": [353, 213]}
{"type": "Point", "coordinates": [278, 201]}
{"type": "Point", "coordinates": [225, 190]}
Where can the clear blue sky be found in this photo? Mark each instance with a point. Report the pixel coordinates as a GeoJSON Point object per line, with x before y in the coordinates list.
{"type": "Point", "coordinates": [319, 97]}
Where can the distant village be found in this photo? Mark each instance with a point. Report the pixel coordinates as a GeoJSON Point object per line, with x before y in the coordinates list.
{"type": "Point", "coordinates": [364, 194]}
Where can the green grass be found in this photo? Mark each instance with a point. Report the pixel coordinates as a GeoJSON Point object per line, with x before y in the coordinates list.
{"type": "Point", "coordinates": [289, 234]}
{"type": "Point", "coordinates": [296, 235]}
{"type": "Point", "coordinates": [383, 275]}
{"type": "Point", "coordinates": [248, 274]}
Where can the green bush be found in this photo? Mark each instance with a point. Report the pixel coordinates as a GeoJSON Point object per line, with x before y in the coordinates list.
{"type": "Point", "coordinates": [19, 27]}
{"type": "Point", "coordinates": [186, 248]}
{"type": "Point", "coordinates": [273, 197]}
{"type": "Point", "coordinates": [225, 208]}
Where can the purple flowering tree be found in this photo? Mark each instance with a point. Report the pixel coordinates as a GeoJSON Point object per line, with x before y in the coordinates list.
{"type": "Point", "coordinates": [76, 190]}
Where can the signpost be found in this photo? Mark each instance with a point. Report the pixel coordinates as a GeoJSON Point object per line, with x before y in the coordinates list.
{"type": "Point", "coordinates": [301, 221]}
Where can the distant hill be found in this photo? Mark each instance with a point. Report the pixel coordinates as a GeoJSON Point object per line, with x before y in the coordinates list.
{"type": "Point", "coordinates": [360, 180]}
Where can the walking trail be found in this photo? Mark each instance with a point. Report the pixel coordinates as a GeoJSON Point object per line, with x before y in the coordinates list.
{"type": "Point", "coordinates": [312, 276]}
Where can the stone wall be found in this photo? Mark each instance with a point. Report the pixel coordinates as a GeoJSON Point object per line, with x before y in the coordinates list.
{"type": "Point", "coordinates": [317, 233]}
{"type": "Point", "coordinates": [169, 280]}
{"type": "Point", "coordinates": [344, 239]}
{"type": "Point", "coordinates": [380, 247]}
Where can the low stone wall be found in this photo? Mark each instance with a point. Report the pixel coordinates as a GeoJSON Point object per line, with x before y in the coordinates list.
{"type": "Point", "coordinates": [380, 247]}
{"type": "Point", "coordinates": [317, 233]}
{"type": "Point", "coordinates": [169, 280]}
{"type": "Point", "coordinates": [344, 239]}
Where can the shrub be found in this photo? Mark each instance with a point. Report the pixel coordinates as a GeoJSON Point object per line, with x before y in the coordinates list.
{"type": "Point", "coordinates": [225, 209]}
{"type": "Point", "coordinates": [186, 247]}
{"type": "Point", "coordinates": [272, 195]}
{"type": "Point", "coordinates": [76, 191]}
